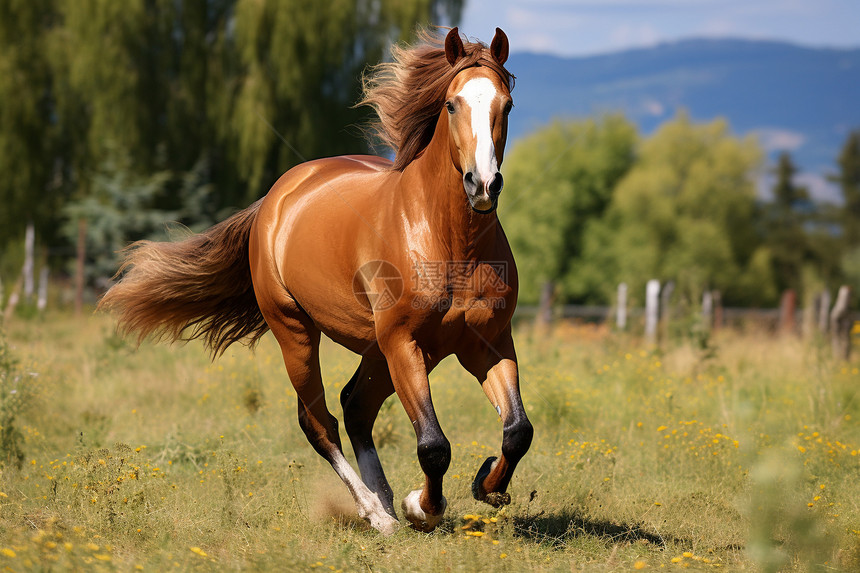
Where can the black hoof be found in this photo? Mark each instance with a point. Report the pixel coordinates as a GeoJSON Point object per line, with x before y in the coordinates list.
{"type": "Point", "coordinates": [494, 498]}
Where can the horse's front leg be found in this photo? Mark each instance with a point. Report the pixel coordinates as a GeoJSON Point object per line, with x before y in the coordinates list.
{"type": "Point", "coordinates": [495, 367]}
{"type": "Point", "coordinates": [423, 508]}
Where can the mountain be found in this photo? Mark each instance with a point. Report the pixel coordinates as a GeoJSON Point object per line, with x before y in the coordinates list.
{"type": "Point", "coordinates": [800, 99]}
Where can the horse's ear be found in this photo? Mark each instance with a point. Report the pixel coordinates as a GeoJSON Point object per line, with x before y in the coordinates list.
{"type": "Point", "coordinates": [499, 47]}
{"type": "Point", "coordinates": [454, 49]}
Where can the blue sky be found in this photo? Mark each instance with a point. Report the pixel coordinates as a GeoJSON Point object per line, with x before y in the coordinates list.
{"type": "Point", "coordinates": [582, 27]}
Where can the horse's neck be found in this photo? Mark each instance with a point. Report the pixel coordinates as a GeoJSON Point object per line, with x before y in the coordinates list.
{"type": "Point", "coordinates": [434, 189]}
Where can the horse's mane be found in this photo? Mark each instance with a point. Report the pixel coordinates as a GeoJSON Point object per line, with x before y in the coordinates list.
{"type": "Point", "coordinates": [408, 93]}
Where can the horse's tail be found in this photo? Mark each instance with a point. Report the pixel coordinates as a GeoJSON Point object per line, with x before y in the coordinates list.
{"type": "Point", "coordinates": [199, 287]}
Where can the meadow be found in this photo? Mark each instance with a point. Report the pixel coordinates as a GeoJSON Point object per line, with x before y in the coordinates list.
{"type": "Point", "coordinates": [740, 455]}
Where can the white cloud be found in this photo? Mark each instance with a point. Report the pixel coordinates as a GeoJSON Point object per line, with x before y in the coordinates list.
{"type": "Point", "coordinates": [628, 35]}
{"type": "Point", "coordinates": [820, 189]}
{"type": "Point", "coordinates": [578, 27]}
{"type": "Point", "coordinates": [775, 139]}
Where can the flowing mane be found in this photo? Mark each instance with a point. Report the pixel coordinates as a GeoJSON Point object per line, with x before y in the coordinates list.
{"type": "Point", "coordinates": [408, 93]}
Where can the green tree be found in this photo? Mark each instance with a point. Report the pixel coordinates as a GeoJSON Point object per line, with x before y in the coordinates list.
{"type": "Point", "coordinates": [848, 179]}
{"type": "Point", "coordinates": [684, 212]}
{"type": "Point", "coordinates": [784, 220]}
{"type": "Point", "coordinates": [297, 75]}
{"type": "Point", "coordinates": [123, 206]}
{"type": "Point", "coordinates": [556, 181]}
{"type": "Point", "coordinates": [244, 88]}
{"type": "Point", "coordinates": [27, 139]}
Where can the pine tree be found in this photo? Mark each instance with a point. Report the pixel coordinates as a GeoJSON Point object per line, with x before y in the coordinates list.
{"type": "Point", "coordinates": [848, 180]}
{"type": "Point", "coordinates": [784, 225]}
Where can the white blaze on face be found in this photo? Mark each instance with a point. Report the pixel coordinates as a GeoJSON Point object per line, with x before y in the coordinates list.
{"type": "Point", "coordinates": [479, 95]}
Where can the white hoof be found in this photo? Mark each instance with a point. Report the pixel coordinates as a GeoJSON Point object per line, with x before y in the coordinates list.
{"type": "Point", "coordinates": [419, 519]}
{"type": "Point", "coordinates": [384, 524]}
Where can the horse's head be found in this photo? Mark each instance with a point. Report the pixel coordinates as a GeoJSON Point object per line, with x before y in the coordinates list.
{"type": "Point", "coordinates": [477, 105]}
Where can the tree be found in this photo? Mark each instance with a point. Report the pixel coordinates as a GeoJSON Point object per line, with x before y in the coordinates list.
{"type": "Point", "coordinates": [27, 138]}
{"type": "Point", "coordinates": [848, 179]}
{"type": "Point", "coordinates": [684, 212]}
{"type": "Point", "coordinates": [556, 181]}
{"type": "Point", "coordinates": [234, 91]}
{"type": "Point", "coordinates": [294, 72]}
{"type": "Point", "coordinates": [123, 206]}
{"type": "Point", "coordinates": [784, 221]}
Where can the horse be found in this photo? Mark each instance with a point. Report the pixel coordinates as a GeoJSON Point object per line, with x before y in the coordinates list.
{"type": "Point", "coordinates": [403, 262]}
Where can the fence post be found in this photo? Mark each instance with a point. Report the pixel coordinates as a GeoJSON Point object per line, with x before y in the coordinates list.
{"type": "Point", "coordinates": [29, 247]}
{"type": "Point", "coordinates": [718, 309]}
{"type": "Point", "coordinates": [708, 309]}
{"type": "Point", "coordinates": [42, 301]}
{"type": "Point", "coordinates": [824, 311]}
{"type": "Point", "coordinates": [665, 307]}
{"type": "Point", "coordinates": [809, 315]}
{"type": "Point", "coordinates": [652, 303]}
{"type": "Point", "coordinates": [787, 310]}
{"type": "Point", "coordinates": [840, 325]}
{"type": "Point", "coordinates": [621, 318]}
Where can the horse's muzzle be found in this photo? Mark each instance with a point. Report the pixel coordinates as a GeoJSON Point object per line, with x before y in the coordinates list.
{"type": "Point", "coordinates": [483, 196]}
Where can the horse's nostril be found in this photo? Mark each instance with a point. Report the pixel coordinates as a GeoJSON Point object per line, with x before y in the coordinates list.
{"type": "Point", "coordinates": [495, 186]}
{"type": "Point", "coordinates": [469, 182]}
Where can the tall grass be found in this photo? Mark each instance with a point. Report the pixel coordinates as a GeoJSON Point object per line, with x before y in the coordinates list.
{"type": "Point", "coordinates": [742, 456]}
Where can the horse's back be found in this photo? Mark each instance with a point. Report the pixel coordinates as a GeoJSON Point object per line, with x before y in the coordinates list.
{"type": "Point", "coordinates": [313, 226]}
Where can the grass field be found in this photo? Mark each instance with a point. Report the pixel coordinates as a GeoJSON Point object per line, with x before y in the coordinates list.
{"type": "Point", "coordinates": [743, 456]}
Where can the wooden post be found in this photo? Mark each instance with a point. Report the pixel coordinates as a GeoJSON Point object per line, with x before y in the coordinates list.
{"type": "Point", "coordinates": [824, 311]}
{"type": "Point", "coordinates": [79, 266]}
{"type": "Point", "coordinates": [787, 310]}
{"type": "Point", "coordinates": [544, 316]}
{"type": "Point", "coordinates": [809, 316]}
{"type": "Point", "coordinates": [29, 247]}
{"type": "Point", "coordinates": [718, 309]}
{"type": "Point", "coordinates": [42, 301]}
{"type": "Point", "coordinates": [666, 308]}
{"type": "Point", "coordinates": [621, 317]}
{"type": "Point", "coordinates": [708, 310]}
{"type": "Point", "coordinates": [840, 324]}
{"type": "Point", "coordinates": [652, 304]}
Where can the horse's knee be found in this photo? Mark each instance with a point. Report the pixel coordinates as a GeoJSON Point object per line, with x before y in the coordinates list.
{"type": "Point", "coordinates": [517, 438]}
{"type": "Point", "coordinates": [434, 454]}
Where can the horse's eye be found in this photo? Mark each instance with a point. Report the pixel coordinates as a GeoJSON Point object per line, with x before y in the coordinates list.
{"type": "Point", "coordinates": [449, 106]}
{"type": "Point", "coordinates": [508, 107]}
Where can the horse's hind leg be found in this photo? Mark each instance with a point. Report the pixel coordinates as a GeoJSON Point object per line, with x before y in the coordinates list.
{"type": "Point", "coordinates": [361, 399]}
{"type": "Point", "coordinates": [299, 339]}
{"type": "Point", "coordinates": [495, 367]}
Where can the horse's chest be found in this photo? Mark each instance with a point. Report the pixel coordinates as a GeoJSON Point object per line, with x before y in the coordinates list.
{"type": "Point", "coordinates": [467, 314]}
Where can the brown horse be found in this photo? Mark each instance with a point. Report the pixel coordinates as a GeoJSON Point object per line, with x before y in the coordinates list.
{"type": "Point", "coordinates": [404, 263]}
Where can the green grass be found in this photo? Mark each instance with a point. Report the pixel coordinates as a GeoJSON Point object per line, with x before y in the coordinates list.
{"type": "Point", "coordinates": [743, 458]}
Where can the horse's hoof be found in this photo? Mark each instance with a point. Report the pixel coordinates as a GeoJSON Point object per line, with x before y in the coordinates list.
{"type": "Point", "coordinates": [494, 498]}
{"type": "Point", "coordinates": [418, 518]}
{"type": "Point", "coordinates": [385, 524]}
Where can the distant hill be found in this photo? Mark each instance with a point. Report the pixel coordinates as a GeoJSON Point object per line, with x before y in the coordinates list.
{"type": "Point", "coordinates": [804, 100]}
